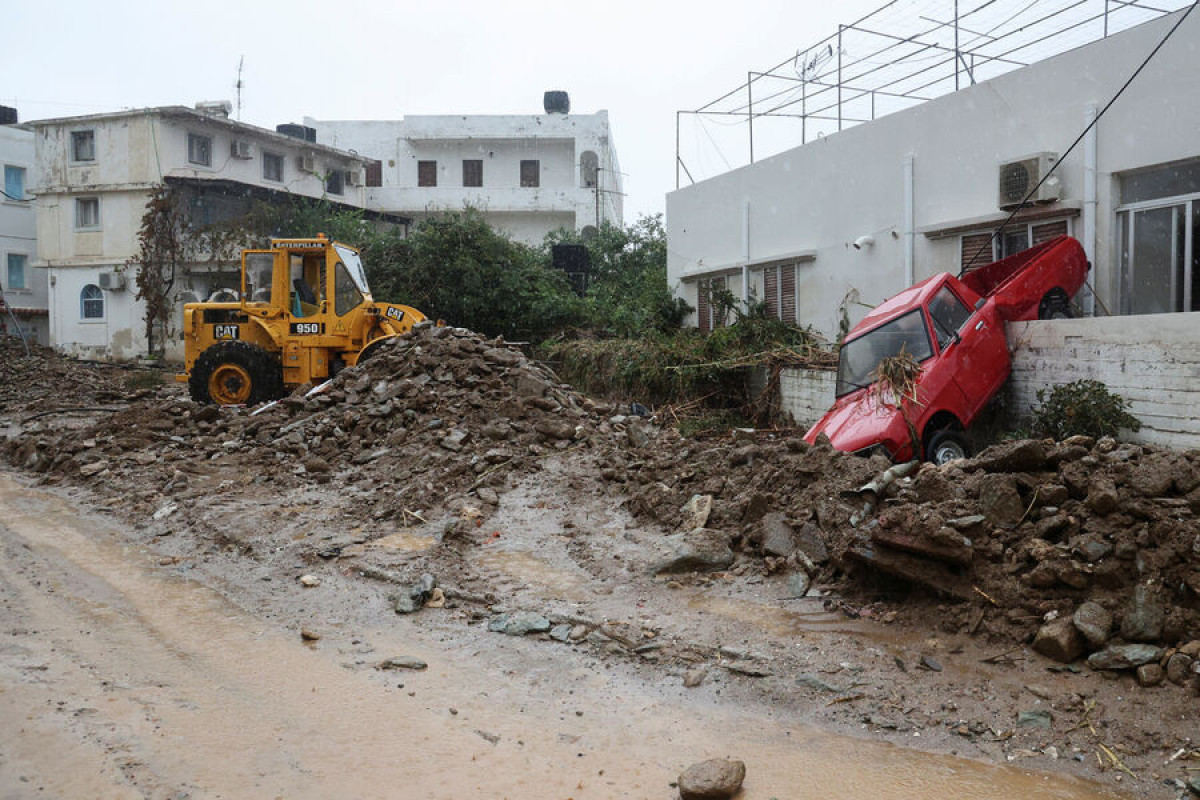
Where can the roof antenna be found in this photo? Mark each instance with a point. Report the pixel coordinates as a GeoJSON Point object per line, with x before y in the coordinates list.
{"type": "Point", "coordinates": [238, 85]}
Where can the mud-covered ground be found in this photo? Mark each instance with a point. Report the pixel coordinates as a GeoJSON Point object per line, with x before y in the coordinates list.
{"type": "Point", "coordinates": [722, 573]}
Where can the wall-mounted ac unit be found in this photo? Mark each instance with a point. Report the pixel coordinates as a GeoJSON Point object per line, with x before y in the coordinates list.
{"type": "Point", "coordinates": [112, 281]}
{"type": "Point", "coordinates": [354, 177]}
{"type": "Point", "coordinates": [308, 163]}
{"type": "Point", "coordinates": [239, 148]}
{"type": "Point", "coordinates": [1017, 179]}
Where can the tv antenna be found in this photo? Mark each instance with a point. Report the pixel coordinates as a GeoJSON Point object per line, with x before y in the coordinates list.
{"type": "Point", "coordinates": [238, 84]}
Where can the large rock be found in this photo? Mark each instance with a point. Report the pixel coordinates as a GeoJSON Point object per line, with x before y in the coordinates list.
{"type": "Point", "coordinates": [1094, 623]}
{"type": "Point", "coordinates": [1144, 616]}
{"type": "Point", "coordinates": [811, 543]}
{"type": "Point", "coordinates": [519, 623]}
{"type": "Point", "coordinates": [1059, 641]}
{"type": "Point", "coordinates": [999, 499]}
{"type": "Point", "coordinates": [1102, 497]}
{"type": "Point", "coordinates": [1124, 656]}
{"type": "Point", "coordinates": [716, 779]}
{"type": "Point", "coordinates": [778, 538]}
{"type": "Point", "coordinates": [696, 511]}
{"type": "Point", "coordinates": [701, 550]}
{"type": "Point", "coordinates": [1028, 455]}
{"type": "Point", "coordinates": [1179, 669]}
{"type": "Point", "coordinates": [412, 597]}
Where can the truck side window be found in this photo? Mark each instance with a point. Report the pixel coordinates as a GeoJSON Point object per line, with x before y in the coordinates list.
{"type": "Point", "coordinates": [949, 314]}
{"type": "Point", "coordinates": [346, 296]}
{"type": "Point", "coordinates": [260, 267]}
{"type": "Point", "coordinates": [307, 284]}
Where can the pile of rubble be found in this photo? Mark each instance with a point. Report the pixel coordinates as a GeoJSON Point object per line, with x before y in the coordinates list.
{"type": "Point", "coordinates": [1081, 546]}
{"type": "Point", "coordinates": [44, 381]}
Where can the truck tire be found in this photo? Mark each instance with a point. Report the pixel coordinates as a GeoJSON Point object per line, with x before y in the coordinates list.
{"type": "Point", "coordinates": [1055, 305]}
{"type": "Point", "coordinates": [947, 445]}
{"type": "Point", "coordinates": [231, 373]}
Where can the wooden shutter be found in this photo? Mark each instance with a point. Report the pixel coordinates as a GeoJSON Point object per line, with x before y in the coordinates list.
{"type": "Point", "coordinates": [1047, 231]}
{"type": "Point", "coordinates": [971, 244]}
{"type": "Point", "coordinates": [703, 311]}
{"type": "Point", "coordinates": [472, 172]}
{"type": "Point", "coordinates": [771, 290]}
{"type": "Point", "coordinates": [426, 173]}
{"type": "Point", "coordinates": [531, 173]}
{"type": "Point", "coordinates": [374, 173]}
{"type": "Point", "coordinates": [787, 293]}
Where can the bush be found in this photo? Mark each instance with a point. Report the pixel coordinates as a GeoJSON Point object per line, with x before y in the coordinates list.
{"type": "Point", "coordinates": [1084, 408]}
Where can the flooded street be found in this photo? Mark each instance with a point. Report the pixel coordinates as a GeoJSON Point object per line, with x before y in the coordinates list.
{"type": "Point", "coordinates": [124, 677]}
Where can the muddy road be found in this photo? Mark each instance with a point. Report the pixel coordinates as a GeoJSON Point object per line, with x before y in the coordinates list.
{"type": "Point", "coordinates": [122, 676]}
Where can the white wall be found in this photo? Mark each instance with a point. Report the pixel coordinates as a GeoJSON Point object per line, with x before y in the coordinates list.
{"type": "Point", "coordinates": [18, 235]}
{"type": "Point", "coordinates": [823, 195]}
{"type": "Point", "coordinates": [556, 141]}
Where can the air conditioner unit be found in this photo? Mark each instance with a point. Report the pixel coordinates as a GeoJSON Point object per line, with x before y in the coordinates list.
{"type": "Point", "coordinates": [1017, 179]}
{"type": "Point", "coordinates": [239, 148]}
{"type": "Point", "coordinates": [308, 163]}
{"type": "Point", "coordinates": [112, 281]}
{"type": "Point", "coordinates": [354, 177]}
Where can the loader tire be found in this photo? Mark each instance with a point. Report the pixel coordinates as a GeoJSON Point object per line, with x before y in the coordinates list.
{"type": "Point", "coordinates": [231, 373]}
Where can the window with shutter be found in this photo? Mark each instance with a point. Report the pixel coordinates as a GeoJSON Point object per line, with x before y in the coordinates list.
{"type": "Point", "coordinates": [771, 291]}
{"type": "Point", "coordinates": [972, 245]}
{"type": "Point", "coordinates": [472, 172]}
{"type": "Point", "coordinates": [374, 173]}
{"type": "Point", "coordinates": [787, 293]}
{"type": "Point", "coordinates": [1046, 232]}
{"type": "Point", "coordinates": [531, 173]}
{"type": "Point", "coordinates": [426, 173]}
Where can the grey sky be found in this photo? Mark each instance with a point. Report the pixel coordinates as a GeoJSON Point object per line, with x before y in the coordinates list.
{"type": "Point", "coordinates": [371, 60]}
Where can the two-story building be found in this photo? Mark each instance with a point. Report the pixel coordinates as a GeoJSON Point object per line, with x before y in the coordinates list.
{"type": "Point", "coordinates": [528, 174]}
{"type": "Point", "coordinates": [95, 175]}
{"type": "Point", "coordinates": [24, 288]}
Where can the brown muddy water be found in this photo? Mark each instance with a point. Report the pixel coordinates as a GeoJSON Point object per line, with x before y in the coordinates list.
{"type": "Point", "coordinates": [123, 678]}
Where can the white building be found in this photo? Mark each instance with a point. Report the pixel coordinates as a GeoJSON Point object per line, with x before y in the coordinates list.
{"type": "Point", "coordinates": [918, 191]}
{"type": "Point", "coordinates": [528, 174]}
{"type": "Point", "coordinates": [25, 288]}
{"type": "Point", "coordinates": [95, 175]}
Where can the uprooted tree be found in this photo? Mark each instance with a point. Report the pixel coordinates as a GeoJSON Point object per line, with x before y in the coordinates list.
{"type": "Point", "coordinates": [165, 253]}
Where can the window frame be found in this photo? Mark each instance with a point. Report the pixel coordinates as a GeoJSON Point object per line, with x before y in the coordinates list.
{"type": "Point", "coordinates": [474, 179]}
{"type": "Point", "coordinates": [79, 203]}
{"type": "Point", "coordinates": [335, 182]}
{"type": "Point", "coordinates": [95, 298]}
{"type": "Point", "coordinates": [427, 174]}
{"type": "Point", "coordinates": [24, 173]}
{"type": "Point", "coordinates": [272, 157]}
{"type": "Point", "coordinates": [533, 179]}
{"type": "Point", "coordinates": [9, 286]}
{"type": "Point", "coordinates": [75, 138]}
{"type": "Point", "coordinates": [197, 138]}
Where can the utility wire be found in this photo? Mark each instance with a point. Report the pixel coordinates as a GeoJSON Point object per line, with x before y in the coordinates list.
{"type": "Point", "coordinates": [1090, 125]}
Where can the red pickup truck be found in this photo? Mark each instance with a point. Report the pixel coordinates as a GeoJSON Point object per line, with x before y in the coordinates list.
{"type": "Point", "coordinates": [955, 329]}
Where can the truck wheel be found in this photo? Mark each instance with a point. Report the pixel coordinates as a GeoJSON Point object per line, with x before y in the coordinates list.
{"type": "Point", "coordinates": [235, 373]}
{"type": "Point", "coordinates": [1055, 305]}
{"type": "Point", "coordinates": [947, 445]}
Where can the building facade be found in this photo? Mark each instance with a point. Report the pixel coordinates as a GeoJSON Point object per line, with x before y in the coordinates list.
{"type": "Point", "coordinates": [528, 174]}
{"type": "Point", "coordinates": [825, 231]}
{"type": "Point", "coordinates": [95, 176]}
{"type": "Point", "coordinates": [25, 288]}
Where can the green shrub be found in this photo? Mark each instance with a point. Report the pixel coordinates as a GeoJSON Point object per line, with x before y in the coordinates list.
{"type": "Point", "coordinates": [1083, 407]}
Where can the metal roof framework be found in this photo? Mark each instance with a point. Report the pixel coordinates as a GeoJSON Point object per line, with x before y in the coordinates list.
{"type": "Point", "coordinates": [900, 55]}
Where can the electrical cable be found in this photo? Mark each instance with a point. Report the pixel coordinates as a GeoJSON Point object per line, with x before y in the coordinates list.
{"type": "Point", "coordinates": [1079, 139]}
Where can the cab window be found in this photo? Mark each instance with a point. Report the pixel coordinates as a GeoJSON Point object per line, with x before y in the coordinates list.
{"type": "Point", "coordinates": [307, 285]}
{"type": "Point", "coordinates": [949, 314]}
{"type": "Point", "coordinates": [346, 296]}
{"type": "Point", "coordinates": [260, 268]}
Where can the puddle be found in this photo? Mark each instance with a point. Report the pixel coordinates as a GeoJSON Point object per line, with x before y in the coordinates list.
{"type": "Point", "coordinates": [192, 696]}
{"type": "Point", "coordinates": [525, 567]}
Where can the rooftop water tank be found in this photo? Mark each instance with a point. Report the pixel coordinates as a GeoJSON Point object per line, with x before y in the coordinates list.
{"type": "Point", "coordinates": [556, 102]}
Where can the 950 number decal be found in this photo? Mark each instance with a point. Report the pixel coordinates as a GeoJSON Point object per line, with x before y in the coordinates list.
{"type": "Point", "coordinates": [307, 328]}
{"type": "Point", "coordinates": [226, 332]}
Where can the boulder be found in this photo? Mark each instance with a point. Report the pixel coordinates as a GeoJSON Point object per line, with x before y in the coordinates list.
{"type": "Point", "coordinates": [1144, 616]}
{"type": "Point", "coordinates": [1059, 641]}
{"type": "Point", "coordinates": [1179, 669]}
{"type": "Point", "coordinates": [717, 779]}
{"type": "Point", "coordinates": [999, 499]}
{"type": "Point", "coordinates": [1094, 623]}
{"type": "Point", "coordinates": [1102, 497]}
{"type": "Point", "coordinates": [696, 511]}
{"type": "Point", "coordinates": [1125, 656]}
{"type": "Point", "coordinates": [1028, 455]}
{"type": "Point", "coordinates": [700, 550]}
{"type": "Point", "coordinates": [778, 538]}
{"type": "Point", "coordinates": [518, 623]}
{"type": "Point", "coordinates": [1149, 675]}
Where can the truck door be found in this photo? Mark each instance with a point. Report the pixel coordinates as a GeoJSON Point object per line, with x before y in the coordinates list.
{"type": "Point", "coordinates": [973, 347]}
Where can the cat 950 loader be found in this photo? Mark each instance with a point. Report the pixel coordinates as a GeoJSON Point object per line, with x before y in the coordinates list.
{"type": "Point", "coordinates": [303, 312]}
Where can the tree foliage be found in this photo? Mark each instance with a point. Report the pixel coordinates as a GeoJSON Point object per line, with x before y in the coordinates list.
{"type": "Point", "coordinates": [165, 253]}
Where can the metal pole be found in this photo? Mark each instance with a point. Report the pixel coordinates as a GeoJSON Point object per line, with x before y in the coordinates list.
{"type": "Point", "coordinates": [750, 111]}
{"type": "Point", "coordinates": [839, 81]}
{"type": "Point", "coordinates": [1105, 19]}
{"type": "Point", "coordinates": [956, 56]}
{"type": "Point", "coordinates": [677, 113]}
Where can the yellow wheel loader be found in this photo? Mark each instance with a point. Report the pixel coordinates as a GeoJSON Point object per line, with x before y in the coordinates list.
{"type": "Point", "coordinates": [303, 312]}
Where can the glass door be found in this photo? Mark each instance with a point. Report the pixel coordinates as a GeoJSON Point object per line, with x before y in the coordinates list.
{"type": "Point", "coordinates": [1158, 267]}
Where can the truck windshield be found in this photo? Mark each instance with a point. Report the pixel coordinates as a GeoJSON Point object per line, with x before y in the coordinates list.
{"type": "Point", "coordinates": [859, 357]}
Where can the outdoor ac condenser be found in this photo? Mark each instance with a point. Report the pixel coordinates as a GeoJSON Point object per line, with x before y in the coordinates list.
{"type": "Point", "coordinates": [1017, 179]}
{"type": "Point", "coordinates": [112, 281]}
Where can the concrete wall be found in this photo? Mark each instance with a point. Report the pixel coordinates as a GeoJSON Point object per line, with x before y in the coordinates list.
{"type": "Point", "coordinates": [1151, 360]}
{"type": "Point", "coordinates": [557, 141]}
{"type": "Point", "coordinates": [806, 394]}
{"type": "Point", "coordinates": [820, 197]}
{"type": "Point", "coordinates": [18, 235]}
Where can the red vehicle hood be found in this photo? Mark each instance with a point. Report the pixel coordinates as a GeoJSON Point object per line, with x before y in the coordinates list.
{"type": "Point", "coordinates": [857, 421]}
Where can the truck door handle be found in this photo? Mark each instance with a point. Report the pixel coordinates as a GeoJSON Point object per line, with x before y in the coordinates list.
{"type": "Point", "coordinates": [979, 325]}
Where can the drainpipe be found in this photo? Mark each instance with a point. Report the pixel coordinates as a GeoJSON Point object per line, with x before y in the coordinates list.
{"type": "Point", "coordinates": [909, 233]}
{"type": "Point", "coordinates": [1090, 203]}
{"type": "Point", "coordinates": [745, 293]}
